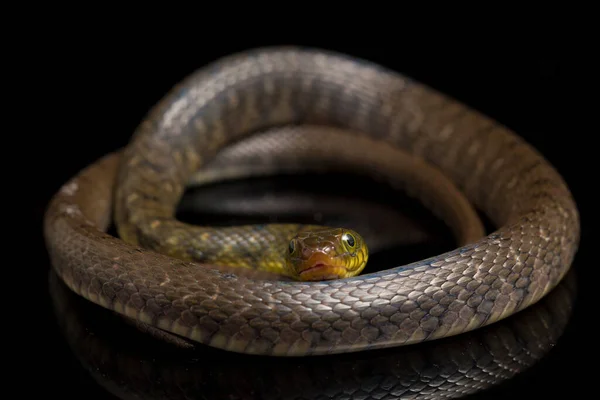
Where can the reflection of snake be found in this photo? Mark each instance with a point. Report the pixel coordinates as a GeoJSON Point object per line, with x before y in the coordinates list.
{"type": "Point", "coordinates": [132, 367]}
{"type": "Point", "coordinates": [455, 292]}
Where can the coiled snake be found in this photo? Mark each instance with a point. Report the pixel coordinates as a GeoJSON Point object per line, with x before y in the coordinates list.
{"type": "Point", "coordinates": [380, 123]}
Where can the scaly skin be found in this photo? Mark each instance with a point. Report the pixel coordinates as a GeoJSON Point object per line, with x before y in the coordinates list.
{"type": "Point", "coordinates": [472, 286]}
{"type": "Point", "coordinates": [452, 368]}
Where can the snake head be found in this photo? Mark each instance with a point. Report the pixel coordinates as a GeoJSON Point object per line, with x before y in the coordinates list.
{"type": "Point", "coordinates": [317, 254]}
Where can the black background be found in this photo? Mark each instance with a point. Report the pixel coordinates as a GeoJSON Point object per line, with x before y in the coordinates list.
{"type": "Point", "coordinates": [102, 85]}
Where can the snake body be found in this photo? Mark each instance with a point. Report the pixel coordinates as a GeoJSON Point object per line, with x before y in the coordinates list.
{"type": "Point", "coordinates": [479, 283]}
{"type": "Point", "coordinates": [462, 366]}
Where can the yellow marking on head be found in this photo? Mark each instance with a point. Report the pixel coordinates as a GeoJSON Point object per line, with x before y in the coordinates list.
{"type": "Point", "coordinates": [326, 253]}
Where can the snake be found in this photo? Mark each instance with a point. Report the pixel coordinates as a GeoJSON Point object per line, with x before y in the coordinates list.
{"type": "Point", "coordinates": [158, 270]}
{"type": "Point", "coordinates": [462, 366]}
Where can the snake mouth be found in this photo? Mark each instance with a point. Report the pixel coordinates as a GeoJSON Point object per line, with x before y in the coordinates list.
{"type": "Point", "coordinates": [320, 270]}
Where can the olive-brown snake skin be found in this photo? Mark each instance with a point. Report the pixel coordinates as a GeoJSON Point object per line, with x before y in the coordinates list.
{"type": "Point", "coordinates": [472, 286]}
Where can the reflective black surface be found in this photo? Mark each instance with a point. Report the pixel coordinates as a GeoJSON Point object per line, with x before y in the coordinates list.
{"type": "Point", "coordinates": [103, 95]}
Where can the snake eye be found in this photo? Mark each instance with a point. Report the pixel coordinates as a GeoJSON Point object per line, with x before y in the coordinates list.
{"type": "Point", "coordinates": [349, 240]}
{"type": "Point", "coordinates": [292, 246]}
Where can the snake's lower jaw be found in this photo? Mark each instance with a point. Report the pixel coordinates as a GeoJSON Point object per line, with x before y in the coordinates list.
{"type": "Point", "coordinates": [321, 272]}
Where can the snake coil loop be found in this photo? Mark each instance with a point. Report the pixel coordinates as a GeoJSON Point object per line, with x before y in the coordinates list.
{"type": "Point", "coordinates": [487, 279]}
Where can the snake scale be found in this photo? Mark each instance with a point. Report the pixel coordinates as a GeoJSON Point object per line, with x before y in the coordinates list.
{"type": "Point", "coordinates": [480, 282]}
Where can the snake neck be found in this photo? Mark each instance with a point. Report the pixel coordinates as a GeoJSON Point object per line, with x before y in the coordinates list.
{"type": "Point", "coordinates": [260, 247]}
